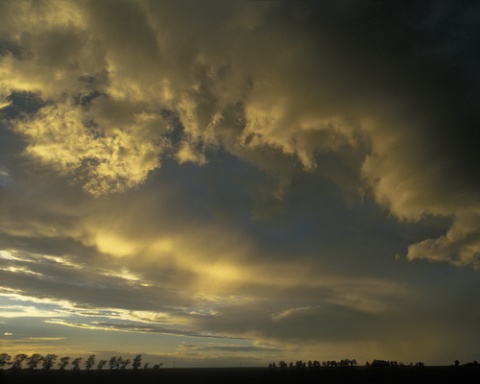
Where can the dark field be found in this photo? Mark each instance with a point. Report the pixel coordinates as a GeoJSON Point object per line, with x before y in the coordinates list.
{"type": "Point", "coordinates": [407, 375]}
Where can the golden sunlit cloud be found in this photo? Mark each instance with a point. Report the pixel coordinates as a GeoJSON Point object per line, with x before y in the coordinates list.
{"type": "Point", "coordinates": [44, 338]}
{"type": "Point", "coordinates": [111, 162]}
{"type": "Point", "coordinates": [14, 311]}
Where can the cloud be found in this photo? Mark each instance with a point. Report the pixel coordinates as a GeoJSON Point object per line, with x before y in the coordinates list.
{"type": "Point", "coordinates": [229, 348]}
{"type": "Point", "coordinates": [4, 177]}
{"type": "Point", "coordinates": [15, 311]}
{"type": "Point", "coordinates": [102, 124]}
{"type": "Point", "coordinates": [140, 328]}
{"type": "Point", "coordinates": [460, 246]}
{"type": "Point", "coordinates": [239, 169]}
{"type": "Point", "coordinates": [68, 139]}
{"type": "Point", "coordinates": [42, 339]}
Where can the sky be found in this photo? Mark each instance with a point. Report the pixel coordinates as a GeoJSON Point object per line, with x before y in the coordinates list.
{"type": "Point", "coordinates": [232, 183]}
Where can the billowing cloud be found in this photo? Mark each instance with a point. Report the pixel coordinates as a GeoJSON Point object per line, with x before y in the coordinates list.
{"type": "Point", "coordinates": [66, 139]}
{"type": "Point", "coordinates": [241, 170]}
{"type": "Point", "coordinates": [460, 245]}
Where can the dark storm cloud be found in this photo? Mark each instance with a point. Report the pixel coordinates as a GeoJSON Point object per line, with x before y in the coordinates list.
{"type": "Point", "coordinates": [246, 169]}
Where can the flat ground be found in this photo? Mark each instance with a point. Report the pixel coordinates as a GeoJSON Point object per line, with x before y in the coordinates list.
{"type": "Point", "coordinates": [356, 375]}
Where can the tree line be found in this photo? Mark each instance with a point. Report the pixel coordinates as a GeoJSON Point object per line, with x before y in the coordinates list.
{"type": "Point", "coordinates": [299, 364]}
{"type": "Point", "coordinates": [387, 363]}
{"type": "Point", "coordinates": [50, 361]}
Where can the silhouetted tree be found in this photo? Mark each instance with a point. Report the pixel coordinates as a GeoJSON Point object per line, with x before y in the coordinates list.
{"type": "Point", "coordinates": [5, 359]}
{"type": "Point", "coordinates": [112, 363]}
{"type": "Point", "coordinates": [76, 363]}
{"type": "Point", "coordinates": [145, 366]}
{"type": "Point", "coordinates": [90, 362]}
{"type": "Point", "coordinates": [125, 363]}
{"type": "Point", "coordinates": [18, 360]}
{"type": "Point", "coordinates": [157, 366]}
{"type": "Point", "coordinates": [64, 361]}
{"type": "Point", "coordinates": [347, 363]}
{"type": "Point", "coordinates": [137, 362]}
{"type": "Point", "coordinates": [101, 364]}
{"type": "Point", "coordinates": [299, 364]}
{"type": "Point", "coordinates": [282, 364]}
{"type": "Point", "coordinates": [119, 362]}
{"type": "Point", "coordinates": [48, 361]}
{"type": "Point", "coordinates": [457, 363]}
{"type": "Point", "coordinates": [34, 360]}
{"type": "Point", "coordinates": [380, 363]}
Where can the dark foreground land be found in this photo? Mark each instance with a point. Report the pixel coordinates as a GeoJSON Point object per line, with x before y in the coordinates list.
{"type": "Point", "coordinates": [351, 375]}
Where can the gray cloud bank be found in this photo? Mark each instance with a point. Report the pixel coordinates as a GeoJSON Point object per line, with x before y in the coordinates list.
{"type": "Point", "coordinates": [215, 150]}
